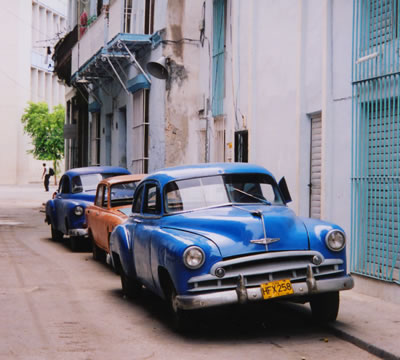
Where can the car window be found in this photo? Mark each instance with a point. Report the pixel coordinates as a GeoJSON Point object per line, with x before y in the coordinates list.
{"type": "Point", "coordinates": [252, 188]}
{"type": "Point", "coordinates": [195, 193]}
{"type": "Point", "coordinates": [105, 197]}
{"type": "Point", "coordinates": [64, 185]}
{"type": "Point", "coordinates": [88, 182]}
{"type": "Point", "coordinates": [99, 196]}
{"type": "Point", "coordinates": [137, 202]}
{"type": "Point", "coordinates": [122, 193]}
{"type": "Point", "coordinates": [151, 201]}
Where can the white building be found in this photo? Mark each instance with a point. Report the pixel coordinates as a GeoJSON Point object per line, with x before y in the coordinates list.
{"type": "Point", "coordinates": [30, 29]}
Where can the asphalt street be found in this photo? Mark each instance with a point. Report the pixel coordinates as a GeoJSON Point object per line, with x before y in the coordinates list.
{"type": "Point", "coordinates": [57, 304]}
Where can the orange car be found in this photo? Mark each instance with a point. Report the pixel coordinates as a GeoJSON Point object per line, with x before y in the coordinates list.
{"type": "Point", "coordinates": [111, 207]}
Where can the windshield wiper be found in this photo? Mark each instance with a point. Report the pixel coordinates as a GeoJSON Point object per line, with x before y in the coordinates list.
{"type": "Point", "coordinates": [252, 196]}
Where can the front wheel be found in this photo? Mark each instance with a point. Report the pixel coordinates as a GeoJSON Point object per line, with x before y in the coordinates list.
{"type": "Point", "coordinates": [55, 234]}
{"type": "Point", "coordinates": [325, 307]}
{"type": "Point", "coordinates": [74, 242]}
{"type": "Point", "coordinates": [131, 288]}
{"type": "Point", "coordinates": [98, 254]}
{"type": "Point", "coordinates": [180, 318]}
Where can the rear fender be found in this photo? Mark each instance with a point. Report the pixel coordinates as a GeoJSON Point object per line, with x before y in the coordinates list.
{"type": "Point", "coordinates": [121, 245]}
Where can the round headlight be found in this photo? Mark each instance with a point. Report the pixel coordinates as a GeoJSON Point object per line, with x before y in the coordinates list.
{"type": "Point", "coordinates": [193, 257]}
{"type": "Point", "coordinates": [78, 211]}
{"type": "Point", "coordinates": [335, 240]}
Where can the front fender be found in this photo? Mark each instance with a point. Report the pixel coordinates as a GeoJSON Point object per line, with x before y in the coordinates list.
{"type": "Point", "coordinates": [50, 212]}
{"type": "Point", "coordinates": [74, 221]}
{"type": "Point", "coordinates": [317, 230]}
{"type": "Point", "coordinates": [167, 248]}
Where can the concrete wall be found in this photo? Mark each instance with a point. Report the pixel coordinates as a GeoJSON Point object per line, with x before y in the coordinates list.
{"type": "Point", "coordinates": [15, 86]}
{"type": "Point", "coordinates": [183, 96]}
{"type": "Point", "coordinates": [25, 76]}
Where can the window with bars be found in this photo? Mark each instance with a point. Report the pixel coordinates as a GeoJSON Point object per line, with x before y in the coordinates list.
{"type": "Point", "coordinates": [382, 21]}
{"type": "Point", "coordinates": [127, 16]}
{"type": "Point", "coordinates": [141, 136]}
{"type": "Point", "coordinates": [241, 146]}
{"type": "Point", "coordinates": [149, 17]}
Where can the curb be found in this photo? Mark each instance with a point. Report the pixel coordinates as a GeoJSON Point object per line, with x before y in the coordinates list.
{"type": "Point", "coordinates": [372, 349]}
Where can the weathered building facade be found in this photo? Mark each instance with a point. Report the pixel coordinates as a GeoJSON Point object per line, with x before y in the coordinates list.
{"type": "Point", "coordinates": [269, 82]}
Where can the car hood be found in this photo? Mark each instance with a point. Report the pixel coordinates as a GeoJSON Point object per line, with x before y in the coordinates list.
{"type": "Point", "coordinates": [232, 228]}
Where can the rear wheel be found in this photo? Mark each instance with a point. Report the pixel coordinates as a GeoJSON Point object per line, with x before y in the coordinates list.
{"type": "Point", "coordinates": [325, 307]}
{"type": "Point", "coordinates": [55, 234]}
{"type": "Point", "coordinates": [74, 243]}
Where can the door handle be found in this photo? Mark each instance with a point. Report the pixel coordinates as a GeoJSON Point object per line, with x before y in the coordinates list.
{"type": "Point", "coordinates": [137, 221]}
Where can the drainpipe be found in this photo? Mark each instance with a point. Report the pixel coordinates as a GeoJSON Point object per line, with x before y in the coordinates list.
{"type": "Point", "coordinates": [302, 174]}
{"type": "Point", "coordinates": [106, 7]}
{"type": "Point", "coordinates": [326, 155]}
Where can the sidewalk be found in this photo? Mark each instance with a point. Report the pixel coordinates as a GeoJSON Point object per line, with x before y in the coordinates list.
{"type": "Point", "coordinates": [369, 323]}
{"type": "Point", "coordinates": [29, 195]}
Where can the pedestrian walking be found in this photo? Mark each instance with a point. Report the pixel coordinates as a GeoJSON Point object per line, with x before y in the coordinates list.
{"type": "Point", "coordinates": [46, 177]}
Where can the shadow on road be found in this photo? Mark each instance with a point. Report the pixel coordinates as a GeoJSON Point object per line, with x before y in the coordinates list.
{"type": "Point", "coordinates": [252, 321]}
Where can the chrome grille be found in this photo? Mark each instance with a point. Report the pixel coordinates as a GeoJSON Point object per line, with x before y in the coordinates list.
{"type": "Point", "coordinates": [261, 268]}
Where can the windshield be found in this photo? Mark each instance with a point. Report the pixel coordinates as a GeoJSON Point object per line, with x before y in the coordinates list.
{"type": "Point", "coordinates": [88, 182]}
{"type": "Point", "coordinates": [183, 195]}
{"type": "Point", "coordinates": [122, 194]}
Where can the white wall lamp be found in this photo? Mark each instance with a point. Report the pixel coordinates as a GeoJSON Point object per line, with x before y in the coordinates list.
{"type": "Point", "coordinates": [159, 68]}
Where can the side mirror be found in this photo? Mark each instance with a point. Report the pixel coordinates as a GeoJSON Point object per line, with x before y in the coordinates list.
{"type": "Point", "coordinates": [284, 190]}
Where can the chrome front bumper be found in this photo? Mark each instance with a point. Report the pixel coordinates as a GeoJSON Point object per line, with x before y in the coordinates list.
{"type": "Point", "coordinates": [242, 294]}
{"type": "Point", "coordinates": [78, 232]}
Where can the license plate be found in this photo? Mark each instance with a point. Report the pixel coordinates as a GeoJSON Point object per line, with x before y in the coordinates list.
{"type": "Point", "coordinates": [276, 288]}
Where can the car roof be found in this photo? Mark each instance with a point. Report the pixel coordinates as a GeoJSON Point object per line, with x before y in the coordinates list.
{"type": "Point", "coordinates": [191, 171]}
{"type": "Point", "coordinates": [122, 178]}
{"type": "Point", "coordinates": [96, 170]}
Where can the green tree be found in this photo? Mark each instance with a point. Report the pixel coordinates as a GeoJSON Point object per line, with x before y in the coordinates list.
{"type": "Point", "coordinates": [46, 131]}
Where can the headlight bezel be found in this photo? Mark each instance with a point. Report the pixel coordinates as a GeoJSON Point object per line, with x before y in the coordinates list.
{"type": "Point", "coordinates": [328, 242]}
{"type": "Point", "coordinates": [79, 210]}
{"type": "Point", "coordinates": [186, 254]}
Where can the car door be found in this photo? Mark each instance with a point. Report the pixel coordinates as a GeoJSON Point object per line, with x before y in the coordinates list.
{"type": "Point", "coordinates": [146, 222]}
{"type": "Point", "coordinates": [104, 223]}
{"type": "Point", "coordinates": [94, 214]}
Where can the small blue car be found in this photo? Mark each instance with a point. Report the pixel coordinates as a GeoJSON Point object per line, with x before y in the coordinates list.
{"type": "Point", "coordinates": [217, 234]}
{"type": "Point", "coordinates": [65, 212]}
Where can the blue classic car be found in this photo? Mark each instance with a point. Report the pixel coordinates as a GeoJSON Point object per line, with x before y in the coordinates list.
{"type": "Point", "coordinates": [65, 212]}
{"type": "Point", "coordinates": [216, 234]}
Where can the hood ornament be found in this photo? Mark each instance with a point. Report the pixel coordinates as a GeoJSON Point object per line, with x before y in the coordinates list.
{"type": "Point", "coordinates": [265, 241]}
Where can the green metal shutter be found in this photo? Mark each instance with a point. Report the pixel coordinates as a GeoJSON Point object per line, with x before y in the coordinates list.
{"type": "Point", "coordinates": [375, 215]}
{"type": "Point", "coordinates": [218, 77]}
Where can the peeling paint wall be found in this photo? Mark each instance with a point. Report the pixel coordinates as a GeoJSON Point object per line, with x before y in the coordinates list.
{"type": "Point", "coordinates": [183, 48]}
